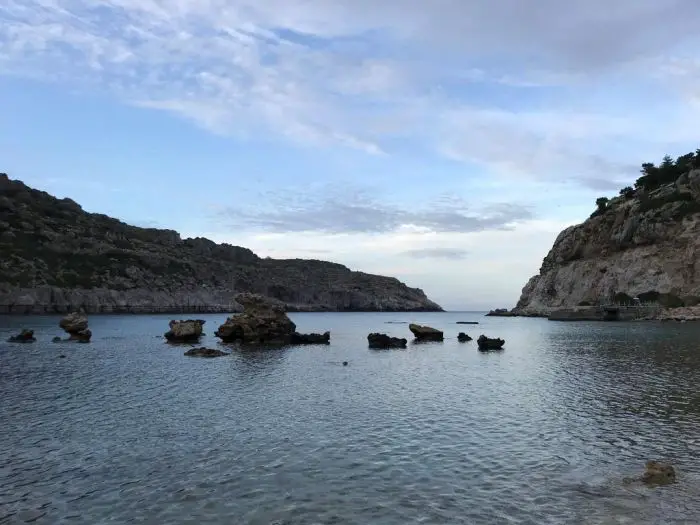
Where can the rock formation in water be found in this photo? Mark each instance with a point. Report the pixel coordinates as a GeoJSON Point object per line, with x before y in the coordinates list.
{"type": "Point", "coordinates": [489, 343]}
{"type": "Point", "coordinates": [463, 338]}
{"type": "Point", "coordinates": [25, 336]}
{"type": "Point", "coordinates": [205, 352]}
{"type": "Point", "coordinates": [187, 331]}
{"type": "Point", "coordinates": [383, 341]}
{"type": "Point", "coordinates": [76, 326]}
{"type": "Point", "coordinates": [57, 258]}
{"type": "Point", "coordinates": [425, 333]}
{"type": "Point", "coordinates": [640, 247]}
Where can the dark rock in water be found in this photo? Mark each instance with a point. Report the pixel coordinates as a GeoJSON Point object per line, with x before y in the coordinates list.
{"type": "Point", "coordinates": [425, 333]}
{"type": "Point", "coordinates": [463, 338]}
{"type": "Point", "coordinates": [205, 352]}
{"type": "Point", "coordinates": [25, 336]}
{"type": "Point", "coordinates": [56, 340]}
{"type": "Point", "coordinates": [376, 340]}
{"type": "Point", "coordinates": [187, 331]}
{"type": "Point", "coordinates": [345, 363]}
{"type": "Point", "coordinates": [486, 343]}
{"type": "Point", "coordinates": [76, 325]}
{"type": "Point", "coordinates": [61, 356]}
{"type": "Point", "coordinates": [467, 322]}
{"type": "Point", "coordinates": [310, 339]}
{"type": "Point", "coordinates": [263, 321]}
{"type": "Point", "coordinates": [658, 473]}
{"type": "Point", "coordinates": [501, 312]}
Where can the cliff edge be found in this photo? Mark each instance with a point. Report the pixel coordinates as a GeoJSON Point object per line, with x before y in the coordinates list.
{"type": "Point", "coordinates": [55, 257]}
{"type": "Point", "coordinates": [639, 247]}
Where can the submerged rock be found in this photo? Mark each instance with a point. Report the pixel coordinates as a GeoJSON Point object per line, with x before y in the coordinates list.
{"type": "Point", "coordinates": [205, 352]}
{"type": "Point", "coordinates": [263, 321]}
{"type": "Point", "coordinates": [311, 339]}
{"type": "Point", "coordinates": [463, 338]}
{"type": "Point", "coordinates": [56, 340]}
{"type": "Point", "coordinates": [76, 325]}
{"type": "Point", "coordinates": [425, 333]}
{"type": "Point", "coordinates": [25, 336]}
{"type": "Point", "coordinates": [467, 322]}
{"type": "Point", "coordinates": [187, 331]}
{"type": "Point", "coordinates": [486, 343]}
{"type": "Point", "coordinates": [383, 341]}
{"type": "Point", "coordinates": [658, 473]}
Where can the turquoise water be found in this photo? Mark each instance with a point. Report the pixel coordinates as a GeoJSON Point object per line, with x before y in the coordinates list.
{"type": "Point", "coordinates": [128, 430]}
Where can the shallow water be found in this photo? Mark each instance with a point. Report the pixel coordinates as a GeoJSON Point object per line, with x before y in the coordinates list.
{"type": "Point", "coordinates": [128, 430]}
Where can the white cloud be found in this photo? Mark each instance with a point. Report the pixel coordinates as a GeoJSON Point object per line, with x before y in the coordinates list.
{"type": "Point", "coordinates": [360, 74]}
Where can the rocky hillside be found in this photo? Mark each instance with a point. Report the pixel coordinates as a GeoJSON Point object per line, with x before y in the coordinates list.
{"type": "Point", "coordinates": [642, 244]}
{"type": "Point", "coordinates": [57, 257]}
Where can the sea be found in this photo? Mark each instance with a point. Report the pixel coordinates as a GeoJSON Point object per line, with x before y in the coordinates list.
{"type": "Point", "coordinates": [126, 429]}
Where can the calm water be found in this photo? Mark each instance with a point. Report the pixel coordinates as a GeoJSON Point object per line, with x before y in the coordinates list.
{"type": "Point", "coordinates": [128, 430]}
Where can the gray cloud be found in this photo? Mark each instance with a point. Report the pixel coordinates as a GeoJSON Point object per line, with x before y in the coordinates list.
{"type": "Point", "coordinates": [337, 210]}
{"type": "Point", "coordinates": [437, 253]}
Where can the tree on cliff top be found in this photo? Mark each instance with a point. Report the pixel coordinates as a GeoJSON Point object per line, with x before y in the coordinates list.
{"type": "Point", "coordinates": [667, 172]}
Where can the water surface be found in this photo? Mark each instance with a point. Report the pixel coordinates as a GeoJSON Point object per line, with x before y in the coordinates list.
{"type": "Point", "coordinates": [128, 430]}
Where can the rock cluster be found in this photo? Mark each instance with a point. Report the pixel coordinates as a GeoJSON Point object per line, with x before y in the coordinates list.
{"type": "Point", "coordinates": [187, 331]}
{"type": "Point", "coordinates": [76, 326]}
{"type": "Point", "coordinates": [25, 336]}
{"type": "Point", "coordinates": [500, 312]}
{"type": "Point", "coordinates": [57, 258]}
{"type": "Point", "coordinates": [264, 322]}
{"type": "Point", "coordinates": [425, 333]}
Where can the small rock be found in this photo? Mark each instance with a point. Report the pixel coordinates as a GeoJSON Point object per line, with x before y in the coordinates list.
{"type": "Point", "coordinates": [463, 338]}
{"type": "Point", "coordinates": [25, 336]}
{"type": "Point", "coordinates": [74, 322]}
{"type": "Point", "coordinates": [658, 473]}
{"type": "Point", "coordinates": [82, 336]}
{"type": "Point", "coordinates": [205, 352]}
{"type": "Point", "coordinates": [486, 343]}
{"type": "Point", "coordinates": [425, 333]}
{"type": "Point", "coordinates": [383, 341]}
{"type": "Point", "coordinates": [467, 322]}
{"type": "Point", "coordinates": [56, 340]}
{"type": "Point", "coordinates": [345, 363]}
{"type": "Point", "coordinates": [61, 356]}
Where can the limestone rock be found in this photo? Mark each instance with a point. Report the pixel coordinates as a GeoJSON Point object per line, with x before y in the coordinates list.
{"type": "Point", "coordinates": [205, 352]}
{"type": "Point", "coordinates": [645, 247]}
{"type": "Point", "coordinates": [463, 338]}
{"type": "Point", "coordinates": [486, 343]}
{"type": "Point", "coordinates": [25, 336]}
{"type": "Point", "coordinates": [76, 325]}
{"type": "Point", "coordinates": [57, 258]}
{"type": "Point", "coordinates": [187, 331]}
{"type": "Point", "coordinates": [425, 333]}
{"type": "Point", "coordinates": [383, 341]}
{"type": "Point", "coordinates": [262, 322]}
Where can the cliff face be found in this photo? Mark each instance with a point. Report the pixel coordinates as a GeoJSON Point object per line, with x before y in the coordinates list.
{"type": "Point", "coordinates": [55, 257]}
{"type": "Point", "coordinates": [642, 245]}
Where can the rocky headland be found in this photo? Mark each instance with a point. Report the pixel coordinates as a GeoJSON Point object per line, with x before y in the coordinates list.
{"type": "Point", "coordinates": [58, 258]}
{"type": "Point", "coordinates": [638, 249]}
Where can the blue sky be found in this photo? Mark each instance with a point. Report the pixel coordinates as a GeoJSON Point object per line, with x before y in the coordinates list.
{"type": "Point", "coordinates": [446, 142]}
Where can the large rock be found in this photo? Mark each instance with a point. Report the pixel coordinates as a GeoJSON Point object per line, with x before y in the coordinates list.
{"type": "Point", "coordinates": [87, 260]}
{"type": "Point", "coordinates": [487, 343]}
{"type": "Point", "coordinates": [500, 312]}
{"type": "Point", "coordinates": [463, 338]}
{"type": "Point", "coordinates": [383, 341]}
{"type": "Point", "coordinates": [25, 336]}
{"type": "Point", "coordinates": [657, 473]}
{"type": "Point", "coordinates": [76, 325]}
{"type": "Point", "coordinates": [262, 322]}
{"type": "Point", "coordinates": [425, 333]}
{"type": "Point", "coordinates": [188, 331]}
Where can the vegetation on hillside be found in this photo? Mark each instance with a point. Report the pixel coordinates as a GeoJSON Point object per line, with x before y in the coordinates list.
{"type": "Point", "coordinates": [654, 177]}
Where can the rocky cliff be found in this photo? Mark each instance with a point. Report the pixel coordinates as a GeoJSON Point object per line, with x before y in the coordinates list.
{"type": "Point", "coordinates": [55, 257]}
{"type": "Point", "coordinates": [641, 245]}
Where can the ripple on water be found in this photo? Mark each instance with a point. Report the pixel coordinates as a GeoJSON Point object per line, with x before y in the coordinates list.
{"type": "Point", "coordinates": [126, 429]}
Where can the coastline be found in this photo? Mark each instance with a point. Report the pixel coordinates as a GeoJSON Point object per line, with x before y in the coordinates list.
{"type": "Point", "coordinates": [629, 314]}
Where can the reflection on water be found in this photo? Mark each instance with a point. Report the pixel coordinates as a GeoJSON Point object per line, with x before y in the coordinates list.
{"type": "Point", "coordinates": [128, 430]}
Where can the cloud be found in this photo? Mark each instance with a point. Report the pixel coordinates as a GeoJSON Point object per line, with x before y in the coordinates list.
{"type": "Point", "coordinates": [342, 209]}
{"type": "Point", "coordinates": [437, 253]}
{"type": "Point", "coordinates": [460, 77]}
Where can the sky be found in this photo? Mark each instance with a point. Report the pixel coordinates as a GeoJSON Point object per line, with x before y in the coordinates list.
{"type": "Point", "coordinates": [444, 142]}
